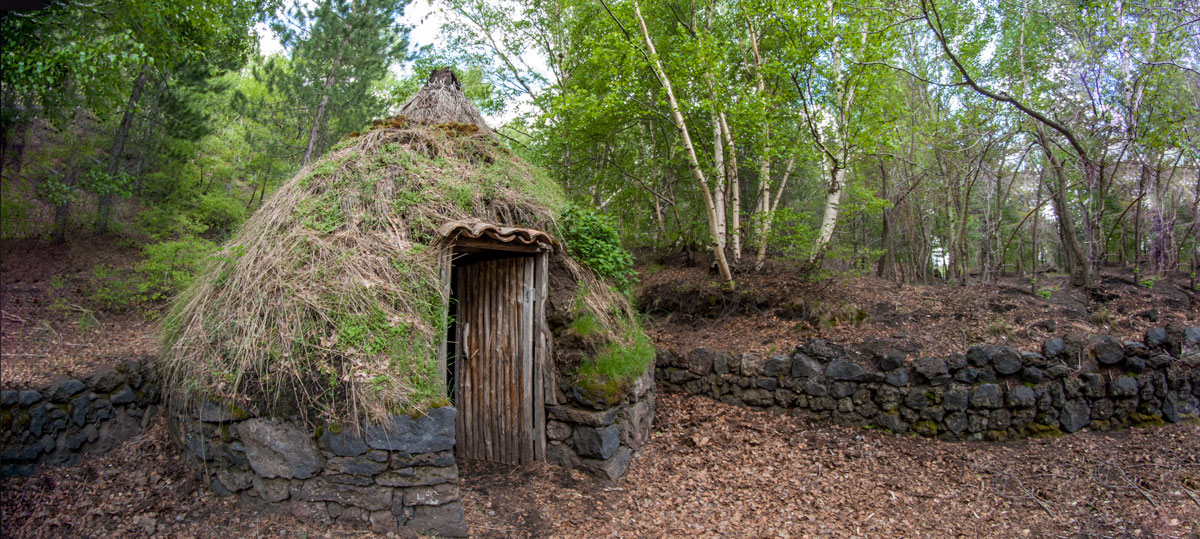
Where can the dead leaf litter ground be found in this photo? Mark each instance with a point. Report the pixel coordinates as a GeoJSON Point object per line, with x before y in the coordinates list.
{"type": "Point", "coordinates": [709, 470]}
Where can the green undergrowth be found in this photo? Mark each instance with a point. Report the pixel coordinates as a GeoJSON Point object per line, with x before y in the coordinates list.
{"type": "Point", "coordinates": [606, 376]}
{"type": "Point", "coordinates": [586, 325]}
{"type": "Point", "coordinates": [592, 239]}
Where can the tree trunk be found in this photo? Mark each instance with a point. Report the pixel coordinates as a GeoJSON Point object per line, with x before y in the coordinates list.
{"type": "Point", "coordinates": [318, 123]}
{"type": "Point", "coordinates": [735, 192]}
{"type": "Point", "coordinates": [681, 125]}
{"type": "Point", "coordinates": [764, 174]}
{"type": "Point", "coordinates": [887, 260]}
{"type": "Point", "coordinates": [770, 213]}
{"type": "Point", "coordinates": [1033, 233]}
{"type": "Point", "coordinates": [1137, 220]}
{"type": "Point", "coordinates": [764, 218]}
{"type": "Point", "coordinates": [104, 206]}
{"type": "Point", "coordinates": [26, 122]}
{"type": "Point", "coordinates": [62, 212]}
{"type": "Point", "coordinates": [837, 170]}
{"type": "Point", "coordinates": [1081, 274]}
{"type": "Point", "coordinates": [144, 153]}
{"type": "Point", "coordinates": [833, 200]}
{"type": "Point", "coordinates": [719, 188]}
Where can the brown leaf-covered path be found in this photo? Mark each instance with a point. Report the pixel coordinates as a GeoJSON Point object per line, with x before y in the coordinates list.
{"type": "Point", "coordinates": [711, 469]}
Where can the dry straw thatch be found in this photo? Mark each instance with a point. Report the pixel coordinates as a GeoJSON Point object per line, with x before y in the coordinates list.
{"type": "Point", "coordinates": [442, 101]}
{"type": "Point", "coordinates": [327, 304]}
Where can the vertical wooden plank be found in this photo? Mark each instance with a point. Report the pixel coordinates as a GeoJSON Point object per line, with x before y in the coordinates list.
{"type": "Point", "coordinates": [481, 333]}
{"type": "Point", "coordinates": [506, 363]}
{"type": "Point", "coordinates": [462, 389]}
{"type": "Point", "coordinates": [536, 385]}
{"type": "Point", "coordinates": [487, 365]}
{"type": "Point", "coordinates": [497, 379]}
{"type": "Point", "coordinates": [473, 357]}
{"type": "Point", "coordinates": [517, 363]}
{"type": "Point", "coordinates": [456, 393]}
{"type": "Point", "coordinates": [478, 355]}
{"type": "Point", "coordinates": [548, 372]}
{"type": "Point", "coordinates": [526, 393]}
{"type": "Point", "coordinates": [497, 360]}
{"type": "Point", "coordinates": [466, 386]}
{"type": "Point", "coordinates": [514, 362]}
{"type": "Point", "coordinates": [504, 425]}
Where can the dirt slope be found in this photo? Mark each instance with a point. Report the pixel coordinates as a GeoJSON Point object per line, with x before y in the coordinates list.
{"type": "Point", "coordinates": [776, 310]}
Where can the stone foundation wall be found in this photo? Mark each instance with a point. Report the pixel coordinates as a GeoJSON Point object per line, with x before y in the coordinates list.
{"type": "Point", "coordinates": [68, 418]}
{"type": "Point", "coordinates": [990, 392]}
{"type": "Point", "coordinates": [600, 438]}
{"type": "Point", "coordinates": [398, 475]}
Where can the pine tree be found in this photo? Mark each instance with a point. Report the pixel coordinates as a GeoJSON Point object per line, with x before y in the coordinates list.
{"type": "Point", "coordinates": [339, 50]}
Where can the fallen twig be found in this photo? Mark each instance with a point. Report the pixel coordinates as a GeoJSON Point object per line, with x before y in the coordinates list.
{"type": "Point", "coordinates": [1191, 495]}
{"type": "Point", "coordinates": [1028, 493]}
{"type": "Point", "coordinates": [1131, 483]}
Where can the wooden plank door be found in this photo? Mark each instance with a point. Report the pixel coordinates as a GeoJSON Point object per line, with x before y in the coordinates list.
{"type": "Point", "coordinates": [494, 364]}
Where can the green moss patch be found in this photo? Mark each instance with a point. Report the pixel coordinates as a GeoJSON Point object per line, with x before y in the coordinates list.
{"type": "Point", "coordinates": [605, 377]}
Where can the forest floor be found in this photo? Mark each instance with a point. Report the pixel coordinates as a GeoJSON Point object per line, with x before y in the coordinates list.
{"type": "Point", "coordinates": [53, 300]}
{"type": "Point", "coordinates": [777, 309]}
{"type": "Point", "coordinates": [708, 469]}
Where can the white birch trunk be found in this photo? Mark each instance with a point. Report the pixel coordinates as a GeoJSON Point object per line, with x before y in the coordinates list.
{"type": "Point", "coordinates": [681, 125]}
{"type": "Point", "coordinates": [833, 200]}
{"type": "Point", "coordinates": [735, 192]}
{"type": "Point", "coordinates": [719, 188]}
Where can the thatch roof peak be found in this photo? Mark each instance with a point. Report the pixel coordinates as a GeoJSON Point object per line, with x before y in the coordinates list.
{"type": "Point", "coordinates": [442, 101]}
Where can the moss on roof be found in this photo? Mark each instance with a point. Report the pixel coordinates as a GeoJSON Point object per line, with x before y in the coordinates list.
{"type": "Point", "coordinates": [327, 304]}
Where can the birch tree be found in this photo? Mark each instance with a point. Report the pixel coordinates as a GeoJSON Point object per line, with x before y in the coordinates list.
{"type": "Point", "coordinates": [686, 141]}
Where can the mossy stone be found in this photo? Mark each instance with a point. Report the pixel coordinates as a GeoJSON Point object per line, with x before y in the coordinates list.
{"type": "Point", "coordinates": [926, 428]}
{"type": "Point", "coordinates": [1039, 430]}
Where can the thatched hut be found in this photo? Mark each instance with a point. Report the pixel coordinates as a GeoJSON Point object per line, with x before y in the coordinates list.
{"type": "Point", "coordinates": [406, 300]}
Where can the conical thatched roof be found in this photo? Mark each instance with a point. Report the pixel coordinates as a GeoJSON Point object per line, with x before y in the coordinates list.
{"type": "Point", "coordinates": [442, 101]}
{"type": "Point", "coordinates": [327, 304]}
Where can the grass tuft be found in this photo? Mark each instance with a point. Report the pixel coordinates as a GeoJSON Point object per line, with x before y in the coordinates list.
{"type": "Point", "coordinates": [607, 376]}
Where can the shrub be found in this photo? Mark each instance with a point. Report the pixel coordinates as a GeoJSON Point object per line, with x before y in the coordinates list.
{"type": "Point", "coordinates": [55, 192]}
{"type": "Point", "coordinates": [1102, 317]}
{"type": "Point", "coordinates": [219, 212]}
{"type": "Point", "coordinates": [171, 266]}
{"type": "Point", "coordinates": [793, 233]}
{"type": "Point", "coordinates": [110, 288]}
{"type": "Point", "coordinates": [103, 183]}
{"type": "Point", "coordinates": [164, 222]}
{"type": "Point", "coordinates": [592, 239]}
{"type": "Point", "coordinates": [16, 214]}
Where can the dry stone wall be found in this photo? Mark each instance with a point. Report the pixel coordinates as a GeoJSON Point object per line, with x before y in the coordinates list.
{"type": "Point", "coordinates": [990, 392]}
{"type": "Point", "coordinates": [69, 418]}
{"type": "Point", "coordinates": [400, 474]}
{"type": "Point", "coordinates": [600, 437]}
